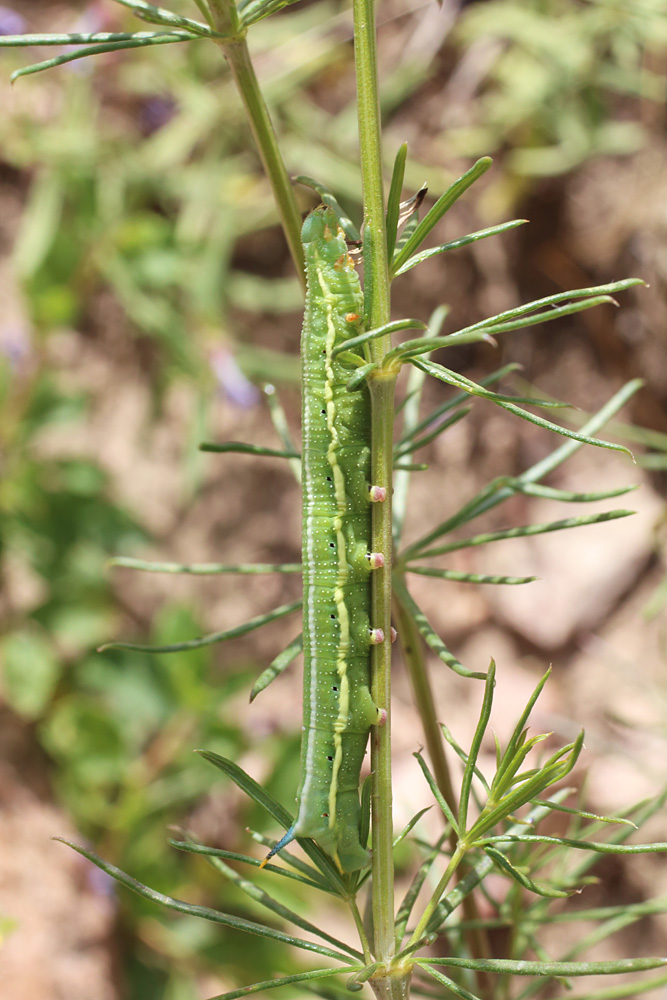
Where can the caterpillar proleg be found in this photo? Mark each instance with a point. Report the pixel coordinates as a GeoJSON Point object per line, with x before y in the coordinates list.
{"type": "Point", "coordinates": [338, 709]}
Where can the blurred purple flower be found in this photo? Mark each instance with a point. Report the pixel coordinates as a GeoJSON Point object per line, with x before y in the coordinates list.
{"type": "Point", "coordinates": [15, 344]}
{"type": "Point", "coordinates": [231, 380]}
{"type": "Point", "coordinates": [155, 112]}
{"type": "Point", "coordinates": [11, 23]}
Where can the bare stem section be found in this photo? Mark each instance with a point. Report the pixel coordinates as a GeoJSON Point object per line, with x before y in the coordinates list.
{"type": "Point", "coordinates": [225, 21]}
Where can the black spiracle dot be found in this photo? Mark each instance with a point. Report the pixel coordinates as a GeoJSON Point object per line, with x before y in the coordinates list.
{"type": "Point", "coordinates": [334, 688]}
{"type": "Point", "coordinates": [329, 758]}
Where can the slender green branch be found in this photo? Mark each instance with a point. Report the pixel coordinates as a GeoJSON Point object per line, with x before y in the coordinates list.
{"type": "Point", "coordinates": [375, 235]}
{"type": "Point", "coordinates": [376, 290]}
{"type": "Point", "coordinates": [432, 904]}
{"type": "Point", "coordinates": [412, 649]}
{"type": "Point", "coordinates": [225, 21]}
{"type": "Point", "coordinates": [382, 401]}
{"type": "Point", "coordinates": [361, 930]}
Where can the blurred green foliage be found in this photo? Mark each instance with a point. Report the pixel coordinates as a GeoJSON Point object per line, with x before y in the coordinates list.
{"type": "Point", "coordinates": [557, 82]}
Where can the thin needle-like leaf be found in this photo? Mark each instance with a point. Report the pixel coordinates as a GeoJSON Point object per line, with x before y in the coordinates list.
{"type": "Point", "coordinates": [355, 982]}
{"type": "Point", "coordinates": [139, 41]}
{"type": "Point", "coordinates": [190, 909]}
{"type": "Point", "coordinates": [599, 847]}
{"type": "Point", "coordinates": [474, 388]}
{"type": "Point", "coordinates": [411, 432]}
{"type": "Point", "coordinates": [439, 798]}
{"type": "Point", "coordinates": [249, 786]}
{"type": "Point", "coordinates": [276, 668]}
{"type": "Point", "coordinates": [503, 863]}
{"type": "Point", "coordinates": [450, 574]}
{"type": "Point", "coordinates": [481, 234]}
{"type": "Point", "coordinates": [79, 38]}
{"type": "Point", "coordinates": [428, 633]}
{"type": "Point", "coordinates": [518, 734]}
{"type": "Point", "coordinates": [313, 882]}
{"type": "Point", "coordinates": [253, 11]}
{"type": "Point", "coordinates": [445, 375]}
{"type": "Point", "coordinates": [412, 402]}
{"type": "Point", "coordinates": [410, 825]}
{"type": "Point", "coordinates": [455, 988]}
{"type": "Point", "coordinates": [475, 877]}
{"type": "Point", "coordinates": [555, 300]}
{"type": "Point", "coordinates": [531, 318]}
{"type": "Point", "coordinates": [213, 637]}
{"type": "Point", "coordinates": [242, 448]}
{"type": "Point", "coordinates": [511, 967]}
{"type": "Point", "coordinates": [394, 198]}
{"type": "Point", "coordinates": [582, 814]}
{"type": "Point", "coordinates": [381, 331]}
{"type": "Point", "coordinates": [405, 909]}
{"type": "Point", "coordinates": [274, 984]}
{"type": "Point", "coordinates": [442, 205]}
{"type": "Point", "coordinates": [531, 489]}
{"type": "Point", "coordinates": [471, 763]}
{"type": "Point", "coordinates": [265, 899]}
{"type": "Point", "coordinates": [259, 795]}
{"type": "Point", "coordinates": [357, 380]}
{"type": "Point", "coordinates": [159, 15]}
{"type": "Point", "coordinates": [524, 531]}
{"type": "Point", "coordinates": [204, 569]}
{"type": "Point", "coordinates": [409, 349]}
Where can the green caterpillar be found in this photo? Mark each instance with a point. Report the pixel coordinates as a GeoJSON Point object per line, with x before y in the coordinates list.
{"type": "Point", "coordinates": [338, 709]}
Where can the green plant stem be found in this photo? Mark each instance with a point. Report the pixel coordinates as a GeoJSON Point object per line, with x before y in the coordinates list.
{"type": "Point", "coordinates": [412, 650]}
{"type": "Point", "coordinates": [376, 274]}
{"type": "Point", "coordinates": [225, 21]}
{"type": "Point", "coordinates": [376, 291]}
{"type": "Point", "coordinates": [393, 984]}
{"type": "Point", "coordinates": [430, 908]}
{"type": "Point", "coordinates": [413, 654]}
{"type": "Point", "coordinates": [361, 930]}
{"type": "Point", "coordinates": [382, 408]}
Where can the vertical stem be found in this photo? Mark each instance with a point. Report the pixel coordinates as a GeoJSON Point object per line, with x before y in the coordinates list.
{"type": "Point", "coordinates": [413, 653]}
{"type": "Point", "coordinates": [376, 277]}
{"type": "Point", "coordinates": [376, 289]}
{"type": "Point", "coordinates": [225, 20]}
{"type": "Point", "coordinates": [382, 408]}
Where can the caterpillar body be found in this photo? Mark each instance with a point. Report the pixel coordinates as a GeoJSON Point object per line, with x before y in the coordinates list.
{"type": "Point", "coordinates": [338, 710]}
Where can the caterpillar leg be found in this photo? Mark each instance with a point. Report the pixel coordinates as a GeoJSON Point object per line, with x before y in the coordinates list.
{"type": "Point", "coordinates": [288, 838]}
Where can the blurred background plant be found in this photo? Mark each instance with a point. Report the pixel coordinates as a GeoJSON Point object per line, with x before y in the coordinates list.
{"type": "Point", "coordinates": [148, 295]}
